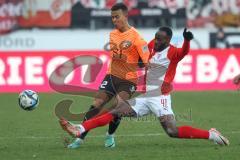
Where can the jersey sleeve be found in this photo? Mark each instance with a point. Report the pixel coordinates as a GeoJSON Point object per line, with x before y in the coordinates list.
{"type": "Point", "coordinates": [142, 49]}
{"type": "Point", "coordinates": [180, 53]}
{"type": "Point", "coordinates": [151, 45]}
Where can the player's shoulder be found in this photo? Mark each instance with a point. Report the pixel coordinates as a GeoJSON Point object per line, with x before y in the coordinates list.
{"type": "Point", "coordinates": [151, 44]}
{"type": "Point", "coordinates": [172, 49]}
{"type": "Point", "coordinates": [172, 46]}
{"type": "Point", "coordinates": [133, 29]}
{"type": "Point", "coordinates": [135, 32]}
{"type": "Point", "coordinates": [137, 36]}
{"type": "Point", "coordinates": [114, 31]}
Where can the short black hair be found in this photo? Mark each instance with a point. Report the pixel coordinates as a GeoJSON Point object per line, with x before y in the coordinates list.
{"type": "Point", "coordinates": [166, 29]}
{"type": "Point", "coordinates": [118, 6]}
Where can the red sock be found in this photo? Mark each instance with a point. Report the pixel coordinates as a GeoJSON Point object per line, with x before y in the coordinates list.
{"type": "Point", "coordinates": [98, 121]}
{"type": "Point", "coordinates": [190, 132]}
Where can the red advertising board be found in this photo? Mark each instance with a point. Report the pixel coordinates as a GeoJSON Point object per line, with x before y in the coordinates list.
{"type": "Point", "coordinates": [211, 69]}
{"type": "Point", "coordinates": [200, 70]}
{"type": "Point", "coordinates": [32, 70]}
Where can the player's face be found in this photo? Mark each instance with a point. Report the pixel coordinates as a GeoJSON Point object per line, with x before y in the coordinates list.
{"type": "Point", "coordinates": [161, 40]}
{"type": "Point", "coordinates": [119, 19]}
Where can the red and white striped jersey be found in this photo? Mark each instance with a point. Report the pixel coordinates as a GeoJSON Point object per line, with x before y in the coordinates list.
{"type": "Point", "coordinates": [162, 67]}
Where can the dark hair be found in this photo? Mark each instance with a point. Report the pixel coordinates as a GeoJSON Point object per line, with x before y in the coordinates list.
{"type": "Point", "coordinates": [166, 29]}
{"type": "Point", "coordinates": [120, 6]}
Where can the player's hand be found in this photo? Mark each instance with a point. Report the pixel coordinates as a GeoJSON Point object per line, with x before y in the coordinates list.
{"type": "Point", "coordinates": [236, 80]}
{"type": "Point", "coordinates": [187, 35]}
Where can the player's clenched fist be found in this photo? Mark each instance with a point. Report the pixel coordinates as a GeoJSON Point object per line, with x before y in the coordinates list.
{"type": "Point", "coordinates": [187, 35]}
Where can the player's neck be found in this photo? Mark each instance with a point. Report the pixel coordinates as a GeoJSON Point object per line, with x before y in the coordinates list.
{"type": "Point", "coordinates": [124, 28]}
{"type": "Point", "coordinates": [162, 48]}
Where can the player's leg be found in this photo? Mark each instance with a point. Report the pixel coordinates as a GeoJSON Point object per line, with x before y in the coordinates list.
{"type": "Point", "coordinates": [113, 125]}
{"type": "Point", "coordinates": [104, 95]}
{"type": "Point", "coordinates": [130, 108]}
{"type": "Point", "coordinates": [123, 109]}
{"type": "Point", "coordinates": [168, 122]}
{"type": "Point", "coordinates": [125, 89]}
{"type": "Point", "coordinates": [100, 100]}
{"type": "Point", "coordinates": [188, 132]}
{"type": "Point", "coordinates": [123, 96]}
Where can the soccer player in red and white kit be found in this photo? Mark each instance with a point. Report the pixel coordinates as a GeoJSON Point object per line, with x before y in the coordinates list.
{"type": "Point", "coordinates": [157, 99]}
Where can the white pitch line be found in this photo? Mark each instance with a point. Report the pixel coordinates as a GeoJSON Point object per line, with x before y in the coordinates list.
{"type": "Point", "coordinates": [101, 136]}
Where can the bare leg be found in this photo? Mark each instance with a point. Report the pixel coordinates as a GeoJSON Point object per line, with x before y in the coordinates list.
{"type": "Point", "coordinates": [122, 109]}
{"type": "Point", "coordinates": [168, 123]}
{"type": "Point", "coordinates": [121, 97]}
{"type": "Point", "coordinates": [100, 100]}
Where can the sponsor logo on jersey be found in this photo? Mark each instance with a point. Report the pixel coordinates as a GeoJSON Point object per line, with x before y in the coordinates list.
{"type": "Point", "coordinates": [125, 45]}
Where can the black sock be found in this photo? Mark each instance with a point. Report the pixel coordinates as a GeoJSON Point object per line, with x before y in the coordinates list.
{"type": "Point", "coordinates": [93, 111]}
{"type": "Point", "coordinates": [113, 125]}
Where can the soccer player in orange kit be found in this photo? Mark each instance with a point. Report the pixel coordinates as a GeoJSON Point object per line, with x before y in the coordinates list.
{"type": "Point", "coordinates": [126, 48]}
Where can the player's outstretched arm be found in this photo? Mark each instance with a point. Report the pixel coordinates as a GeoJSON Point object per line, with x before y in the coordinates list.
{"type": "Point", "coordinates": [188, 36]}
{"type": "Point", "coordinates": [181, 52]}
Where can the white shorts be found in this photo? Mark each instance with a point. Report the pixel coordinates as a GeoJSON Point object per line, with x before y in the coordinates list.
{"type": "Point", "coordinates": [158, 105]}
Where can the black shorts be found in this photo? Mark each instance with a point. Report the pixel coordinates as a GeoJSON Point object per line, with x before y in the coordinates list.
{"type": "Point", "coordinates": [113, 85]}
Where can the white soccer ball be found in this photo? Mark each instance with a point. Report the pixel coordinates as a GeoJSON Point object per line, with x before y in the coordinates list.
{"type": "Point", "coordinates": [28, 100]}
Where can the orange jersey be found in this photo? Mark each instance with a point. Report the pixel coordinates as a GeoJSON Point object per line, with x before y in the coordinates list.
{"type": "Point", "coordinates": [126, 48]}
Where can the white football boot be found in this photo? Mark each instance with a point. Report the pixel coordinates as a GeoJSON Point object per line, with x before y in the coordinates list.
{"type": "Point", "coordinates": [218, 138]}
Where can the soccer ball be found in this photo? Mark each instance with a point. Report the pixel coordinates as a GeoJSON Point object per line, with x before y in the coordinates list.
{"type": "Point", "coordinates": [28, 100]}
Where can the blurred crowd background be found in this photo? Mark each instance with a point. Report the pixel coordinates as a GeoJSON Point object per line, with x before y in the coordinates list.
{"type": "Point", "coordinates": [220, 17]}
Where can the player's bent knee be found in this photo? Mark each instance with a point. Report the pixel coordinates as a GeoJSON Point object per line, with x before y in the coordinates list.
{"type": "Point", "coordinates": [173, 133]}
{"type": "Point", "coordinates": [117, 113]}
{"type": "Point", "coordinates": [125, 111]}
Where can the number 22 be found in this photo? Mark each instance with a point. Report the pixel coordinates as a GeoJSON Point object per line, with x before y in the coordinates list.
{"type": "Point", "coordinates": [104, 83]}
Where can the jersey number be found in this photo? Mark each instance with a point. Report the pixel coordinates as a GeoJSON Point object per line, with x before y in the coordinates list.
{"type": "Point", "coordinates": [104, 83]}
{"type": "Point", "coordinates": [164, 102]}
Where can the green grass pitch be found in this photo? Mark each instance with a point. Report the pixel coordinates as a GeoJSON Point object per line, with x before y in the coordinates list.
{"type": "Point", "coordinates": [36, 135]}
